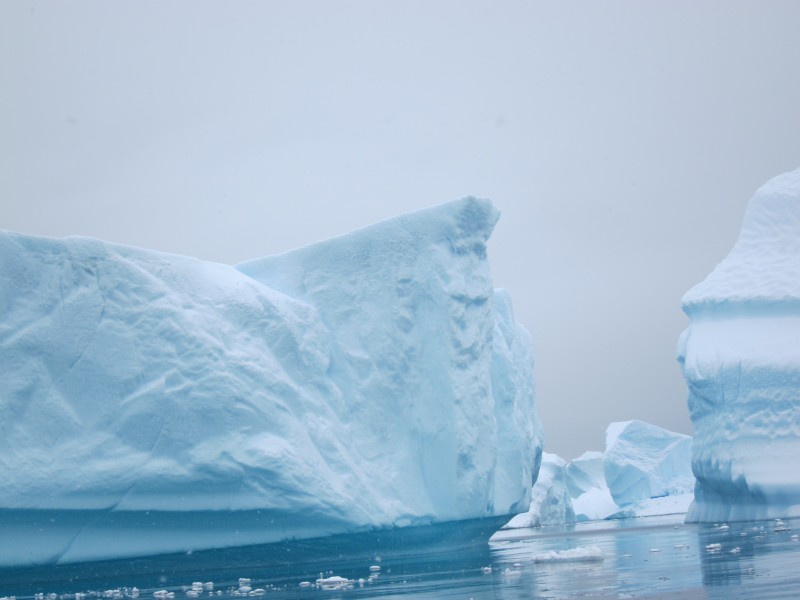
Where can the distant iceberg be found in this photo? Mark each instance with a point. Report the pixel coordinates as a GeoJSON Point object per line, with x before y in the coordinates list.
{"type": "Point", "coordinates": [644, 471]}
{"type": "Point", "coordinates": [740, 356]}
{"type": "Point", "coordinates": [157, 403]}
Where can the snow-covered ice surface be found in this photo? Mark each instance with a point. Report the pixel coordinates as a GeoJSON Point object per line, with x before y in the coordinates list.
{"type": "Point", "coordinates": [644, 471]}
{"type": "Point", "coordinates": [740, 356]}
{"type": "Point", "coordinates": [157, 403]}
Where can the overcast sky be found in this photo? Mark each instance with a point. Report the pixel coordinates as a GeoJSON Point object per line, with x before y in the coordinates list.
{"type": "Point", "coordinates": [620, 140]}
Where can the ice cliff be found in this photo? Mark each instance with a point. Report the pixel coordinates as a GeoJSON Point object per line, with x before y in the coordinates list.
{"type": "Point", "coordinates": [645, 470]}
{"type": "Point", "coordinates": [740, 357]}
{"type": "Point", "coordinates": [157, 403]}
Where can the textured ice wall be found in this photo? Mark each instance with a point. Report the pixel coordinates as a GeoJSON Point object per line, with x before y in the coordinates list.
{"type": "Point", "coordinates": [158, 403]}
{"type": "Point", "coordinates": [435, 376]}
{"type": "Point", "coordinates": [740, 356]}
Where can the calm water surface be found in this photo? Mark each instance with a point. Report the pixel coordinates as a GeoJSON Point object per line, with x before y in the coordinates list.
{"type": "Point", "coordinates": [650, 557]}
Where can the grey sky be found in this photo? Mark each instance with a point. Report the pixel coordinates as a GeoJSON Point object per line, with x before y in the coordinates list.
{"type": "Point", "coordinates": [621, 140]}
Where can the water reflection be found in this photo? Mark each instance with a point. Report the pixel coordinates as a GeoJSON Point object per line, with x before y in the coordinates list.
{"type": "Point", "coordinates": [650, 557]}
{"type": "Point", "coordinates": [751, 560]}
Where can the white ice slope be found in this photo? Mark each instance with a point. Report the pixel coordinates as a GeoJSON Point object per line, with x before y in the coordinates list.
{"type": "Point", "coordinates": [157, 403]}
{"type": "Point", "coordinates": [740, 356]}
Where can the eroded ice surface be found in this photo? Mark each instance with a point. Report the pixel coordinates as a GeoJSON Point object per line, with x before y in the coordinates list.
{"type": "Point", "coordinates": [158, 403]}
{"type": "Point", "coordinates": [740, 356]}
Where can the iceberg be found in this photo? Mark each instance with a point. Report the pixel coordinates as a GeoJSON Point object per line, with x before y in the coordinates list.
{"type": "Point", "coordinates": [156, 403]}
{"type": "Point", "coordinates": [740, 356]}
{"type": "Point", "coordinates": [644, 471]}
{"type": "Point", "coordinates": [550, 501]}
{"type": "Point", "coordinates": [586, 481]}
{"type": "Point", "coordinates": [643, 461]}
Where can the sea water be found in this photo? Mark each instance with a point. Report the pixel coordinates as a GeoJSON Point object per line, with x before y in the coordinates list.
{"type": "Point", "coordinates": [656, 557]}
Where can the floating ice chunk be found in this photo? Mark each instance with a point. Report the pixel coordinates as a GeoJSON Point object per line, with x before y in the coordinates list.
{"type": "Point", "coordinates": [711, 548]}
{"type": "Point", "coordinates": [334, 582]}
{"type": "Point", "coordinates": [580, 554]}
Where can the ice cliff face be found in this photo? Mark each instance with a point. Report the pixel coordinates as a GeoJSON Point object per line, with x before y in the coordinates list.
{"type": "Point", "coordinates": [741, 359]}
{"type": "Point", "coordinates": [170, 404]}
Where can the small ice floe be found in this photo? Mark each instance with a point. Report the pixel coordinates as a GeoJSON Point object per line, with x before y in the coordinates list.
{"type": "Point", "coordinates": [486, 570]}
{"type": "Point", "coordinates": [361, 582]}
{"type": "Point", "coordinates": [743, 534]}
{"type": "Point", "coordinates": [681, 546]}
{"type": "Point", "coordinates": [508, 572]}
{"type": "Point", "coordinates": [195, 590]}
{"type": "Point", "coordinates": [244, 589]}
{"type": "Point", "coordinates": [334, 582]}
{"type": "Point", "coordinates": [712, 548]}
{"type": "Point", "coordinates": [305, 584]}
{"type": "Point", "coordinates": [257, 592]}
{"type": "Point", "coordinates": [163, 595]}
{"type": "Point", "coordinates": [724, 527]}
{"type": "Point", "coordinates": [655, 549]}
{"type": "Point", "coordinates": [780, 526]}
{"type": "Point", "coordinates": [587, 554]}
{"type": "Point", "coordinates": [795, 538]}
{"type": "Point", "coordinates": [735, 550]}
{"type": "Point", "coordinates": [375, 569]}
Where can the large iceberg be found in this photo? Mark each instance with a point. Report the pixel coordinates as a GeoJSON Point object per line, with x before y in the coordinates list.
{"type": "Point", "coordinates": [740, 356]}
{"type": "Point", "coordinates": [155, 403]}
